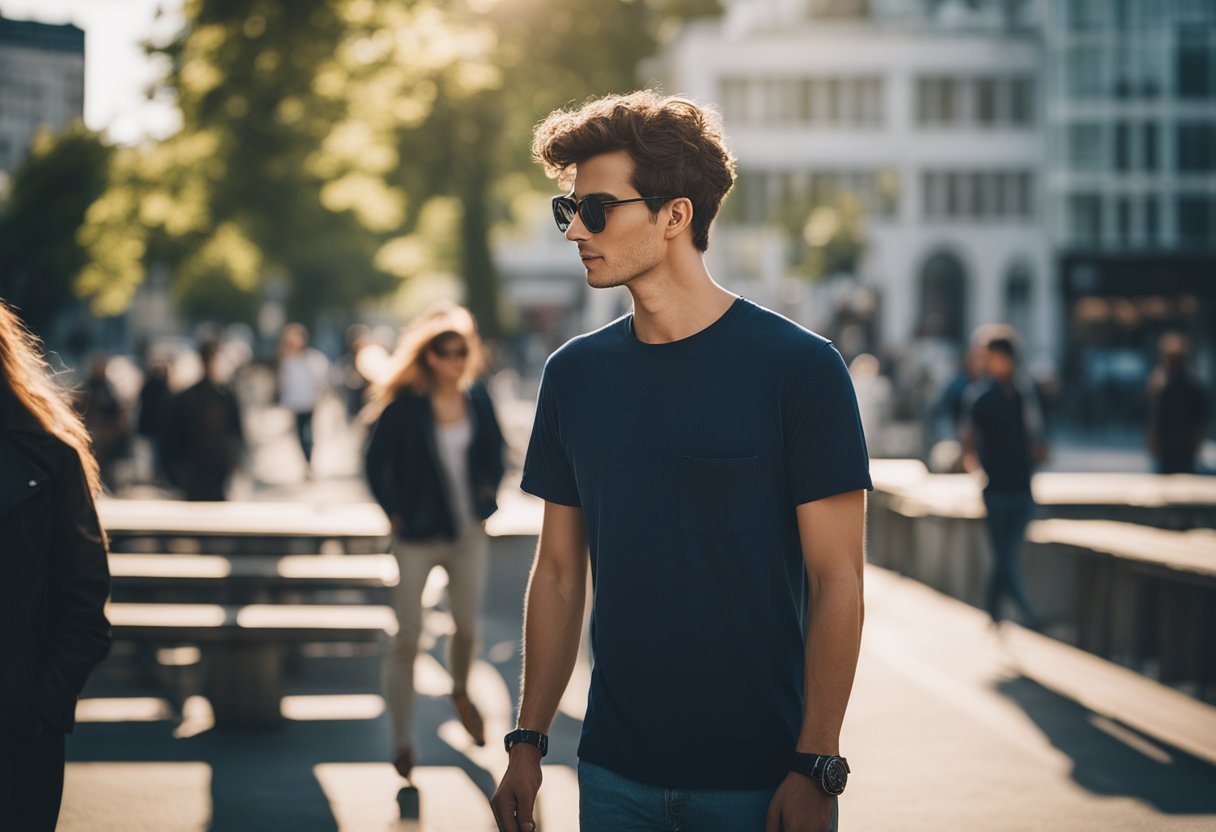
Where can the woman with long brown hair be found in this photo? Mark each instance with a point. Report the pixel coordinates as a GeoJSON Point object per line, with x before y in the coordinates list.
{"type": "Point", "coordinates": [434, 463]}
{"type": "Point", "coordinates": [53, 628]}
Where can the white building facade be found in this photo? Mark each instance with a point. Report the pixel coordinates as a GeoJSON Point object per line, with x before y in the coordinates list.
{"type": "Point", "coordinates": [41, 83]}
{"type": "Point", "coordinates": [930, 114]}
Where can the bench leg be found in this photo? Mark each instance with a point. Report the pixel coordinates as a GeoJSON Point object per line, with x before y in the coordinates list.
{"type": "Point", "coordinates": [245, 685]}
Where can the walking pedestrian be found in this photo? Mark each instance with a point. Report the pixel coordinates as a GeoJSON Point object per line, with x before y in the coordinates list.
{"type": "Point", "coordinates": [1003, 435]}
{"type": "Point", "coordinates": [710, 454]}
{"type": "Point", "coordinates": [202, 439]}
{"type": "Point", "coordinates": [53, 628]}
{"type": "Point", "coordinates": [353, 383]}
{"type": "Point", "coordinates": [105, 417]}
{"type": "Point", "coordinates": [154, 397]}
{"type": "Point", "coordinates": [434, 463]}
{"type": "Point", "coordinates": [302, 373]}
{"type": "Point", "coordinates": [1178, 409]}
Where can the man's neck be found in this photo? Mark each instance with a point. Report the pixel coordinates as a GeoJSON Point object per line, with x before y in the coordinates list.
{"type": "Point", "coordinates": [672, 303]}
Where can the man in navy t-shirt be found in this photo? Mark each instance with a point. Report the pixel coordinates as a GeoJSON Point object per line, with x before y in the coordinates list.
{"type": "Point", "coordinates": [709, 455]}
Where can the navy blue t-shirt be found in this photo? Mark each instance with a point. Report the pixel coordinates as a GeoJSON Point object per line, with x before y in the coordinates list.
{"type": "Point", "coordinates": [688, 460]}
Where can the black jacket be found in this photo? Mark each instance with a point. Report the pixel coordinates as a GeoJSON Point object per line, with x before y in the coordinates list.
{"type": "Point", "coordinates": [201, 439]}
{"type": "Point", "coordinates": [406, 476]}
{"type": "Point", "coordinates": [54, 579]}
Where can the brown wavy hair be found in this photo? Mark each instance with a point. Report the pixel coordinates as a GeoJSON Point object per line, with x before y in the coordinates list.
{"type": "Point", "coordinates": [676, 146]}
{"type": "Point", "coordinates": [27, 378]}
{"type": "Point", "coordinates": [408, 368]}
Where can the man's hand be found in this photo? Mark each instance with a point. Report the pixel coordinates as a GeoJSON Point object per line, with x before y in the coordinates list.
{"type": "Point", "coordinates": [515, 798]}
{"type": "Point", "coordinates": [800, 805]}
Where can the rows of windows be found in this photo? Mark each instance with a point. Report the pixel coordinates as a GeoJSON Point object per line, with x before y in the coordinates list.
{"type": "Point", "coordinates": [1134, 146]}
{"type": "Point", "coordinates": [1136, 220]}
{"type": "Point", "coordinates": [982, 101]}
{"type": "Point", "coordinates": [1106, 15]}
{"type": "Point", "coordinates": [977, 194]}
{"type": "Point", "coordinates": [765, 197]}
{"type": "Point", "coordinates": [20, 99]}
{"type": "Point", "coordinates": [820, 101]}
{"type": "Point", "coordinates": [1141, 68]}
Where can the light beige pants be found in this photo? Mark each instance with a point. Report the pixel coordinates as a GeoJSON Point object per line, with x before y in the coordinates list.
{"type": "Point", "coordinates": [465, 560]}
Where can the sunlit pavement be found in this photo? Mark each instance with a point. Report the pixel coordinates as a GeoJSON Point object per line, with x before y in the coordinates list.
{"type": "Point", "coordinates": [944, 732]}
{"type": "Point", "coordinates": [951, 726]}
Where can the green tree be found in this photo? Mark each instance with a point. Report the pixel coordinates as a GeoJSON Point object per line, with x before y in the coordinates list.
{"type": "Point", "coordinates": [51, 191]}
{"type": "Point", "coordinates": [316, 133]}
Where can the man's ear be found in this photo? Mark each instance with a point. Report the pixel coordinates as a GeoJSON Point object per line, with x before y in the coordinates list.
{"type": "Point", "coordinates": [679, 217]}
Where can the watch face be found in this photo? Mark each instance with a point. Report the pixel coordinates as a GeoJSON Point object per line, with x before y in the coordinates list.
{"type": "Point", "coordinates": [835, 775]}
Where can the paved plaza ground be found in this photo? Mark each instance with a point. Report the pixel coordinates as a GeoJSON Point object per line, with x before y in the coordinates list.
{"type": "Point", "coordinates": [952, 725]}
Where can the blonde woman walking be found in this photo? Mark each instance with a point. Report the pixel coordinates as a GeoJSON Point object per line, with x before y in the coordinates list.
{"type": "Point", "coordinates": [434, 462]}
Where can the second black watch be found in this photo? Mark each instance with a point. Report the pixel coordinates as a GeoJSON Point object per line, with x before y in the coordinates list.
{"type": "Point", "coordinates": [530, 737]}
{"type": "Point", "coordinates": [830, 771]}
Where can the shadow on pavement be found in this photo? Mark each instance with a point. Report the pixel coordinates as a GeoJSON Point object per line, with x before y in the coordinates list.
{"type": "Point", "coordinates": [1111, 759]}
{"type": "Point", "coordinates": [268, 780]}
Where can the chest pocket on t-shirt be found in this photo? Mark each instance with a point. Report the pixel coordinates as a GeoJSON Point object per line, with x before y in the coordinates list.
{"type": "Point", "coordinates": [718, 496]}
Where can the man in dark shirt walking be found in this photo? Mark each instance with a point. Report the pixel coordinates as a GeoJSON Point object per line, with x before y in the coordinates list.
{"type": "Point", "coordinates": [710, 454]}
{"type": "Point", "coordinates": [1002, 421]}
{"type": "Point", "coordinates": [202, 437]}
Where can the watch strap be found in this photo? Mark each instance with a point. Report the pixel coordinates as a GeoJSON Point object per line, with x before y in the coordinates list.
{"type": "Point", "coordinates": [525, 735]}
{"type": "Point", "coordinates": [814, 766]}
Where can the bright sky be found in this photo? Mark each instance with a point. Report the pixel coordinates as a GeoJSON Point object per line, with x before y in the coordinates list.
{"type": "Point", "coordinates": [117, 73]}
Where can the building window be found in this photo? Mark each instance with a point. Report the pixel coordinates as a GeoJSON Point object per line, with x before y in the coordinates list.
{"type": "Point", "coordinates": [1122, 147]}
{"type": "Point", "coordinates": [977, 194]}
{"type": "Point", "coordinates": [1085, 218]}
{"type": "Point", "coordinates": [937, 101]}
{"type": "Point", "coordinates": [985, 102]}
{"type": "Point", "coordinates": [1123, 219]}
{"type": "Point", "coordinates": [943, 299]}
{"type": "Point", "coordinates": [1195, 64]}
{"type": "Point", "coordinates": [1195, 216]}
{"type": "Point", "coordinates": [1085, 146]}
{"type": "Point", "coordinates": [734, 100]}
{"type": "Point", "coordinates": [1019, 299]}
{"type": "Point", "coordinates": [1084, 68]}
{"type": "Point", "coordinates": [1021, 101]}
{"type": "Point", "coordinates": [1196, 147]}
{"type": "Point", "coordinates": [1152, 220]}
{"type": "Point", "coordinates": [1149, 147]}
{"type": "Point", "coordinates": [1088, 15]}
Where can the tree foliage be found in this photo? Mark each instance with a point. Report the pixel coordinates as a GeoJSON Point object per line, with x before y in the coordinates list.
{"type": "Point", "coordinates": [51, 190]}
{"type": "Point", "coordinates": [316, 133]}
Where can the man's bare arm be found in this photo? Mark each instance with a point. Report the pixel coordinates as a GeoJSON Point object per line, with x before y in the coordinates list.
{"type": "Point", "coordinates": [553, 614]}
{"type": "Point", "coordinates": [832, 531]}
{"type": "Point", "coordinates": [553, 619]}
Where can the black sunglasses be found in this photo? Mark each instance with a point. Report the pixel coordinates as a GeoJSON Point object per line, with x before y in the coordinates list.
{"type": "Point", "coordinates": [591, 209]}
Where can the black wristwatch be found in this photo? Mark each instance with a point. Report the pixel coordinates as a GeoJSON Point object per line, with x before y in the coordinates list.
{"type": "Point", "coordinates": [530, 737]}
{"type": "Point", "coordinates": [828, 770]}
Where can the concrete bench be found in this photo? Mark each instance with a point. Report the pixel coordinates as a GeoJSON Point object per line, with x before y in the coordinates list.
{"type": "Point", "coordinates": [226, 579]}
{"type": "Point", "coordinates": [1177, 502]}
{"type": "Point", "coordinates": [1141, 596]}
{"type": "Point", "coordinates": [242, 646]}
{"type": "Point", "coordinates": [243, 528]}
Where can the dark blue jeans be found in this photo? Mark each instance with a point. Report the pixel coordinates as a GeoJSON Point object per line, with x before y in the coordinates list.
{"type": "Point", "coordinates": [1009, 514]}
{"type": "Point", "coordinates": [609, 802]}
